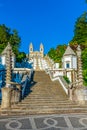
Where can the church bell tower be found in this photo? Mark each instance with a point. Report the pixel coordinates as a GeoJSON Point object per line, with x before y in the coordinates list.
{"type": "Point", "coordinates": [30, 50]}
{"type": "Point", "coordinates": [41, 49]}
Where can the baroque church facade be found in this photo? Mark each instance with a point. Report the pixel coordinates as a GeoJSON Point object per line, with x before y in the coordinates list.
{"type": "Point", "coordinates": [37, 54]}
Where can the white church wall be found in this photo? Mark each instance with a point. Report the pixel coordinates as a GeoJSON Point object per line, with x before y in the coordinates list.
{"type": "Point", "coordinates": [75, 62]}
{"type": "Point", "coordinates": [72, 60]}
{"type": "Point", "coordinates": [66, 60]}
{"type": "Point", "coordinates": [56, 66]}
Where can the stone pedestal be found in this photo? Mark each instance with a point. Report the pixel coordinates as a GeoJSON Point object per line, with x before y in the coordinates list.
{"type": "Point", "coordinates": [70, 94]}
{"type": "Point", "coordinates": [20, 91]}
{"type": "Point", "coordinates": [80, 97]}
{"type": "Point", "coordinates": [6, 98]}
{"type": "Point", "coordinates": [17, 96]}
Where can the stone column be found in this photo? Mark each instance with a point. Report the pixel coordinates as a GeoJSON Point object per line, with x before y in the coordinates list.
{"type": "Point", "coordinates": [6, 98]}
{"type": "Point", "coordinates": [19, 92]}
{"type": "Point", "coordinates": [79, 92]}
{"type": "Point", "coordinates": [79, 65]}
{"type": "Point", "coordinates": [6, 91]}
{"type": "Point", "coordinates": [8, 65]}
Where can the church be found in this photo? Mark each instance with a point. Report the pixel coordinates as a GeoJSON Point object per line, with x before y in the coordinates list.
{"type": "Point", "coordinates": [34, 54]}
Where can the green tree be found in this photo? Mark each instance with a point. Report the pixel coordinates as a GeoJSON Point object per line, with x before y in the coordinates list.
{"type": "Point", "coordinates": [80, 37]}
{"type": "Point", "coordinates": [21, 56]}
{"type": "Point", "coordinates": [6, 35]}
{"type": "Point", "coordinates": [11, 36]}
{"type": "Point", "coordinates": [60, 51]}
{"type": "Point", "coordinates": [52, 53]}
{"type": "Point", "coordinates": [80, 31]}
{"type": "Point", "coordinates": [56, 54]}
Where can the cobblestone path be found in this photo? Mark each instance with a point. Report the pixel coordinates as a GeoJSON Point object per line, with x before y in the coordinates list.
{"type": "Point", "coordinates": [44, 122]}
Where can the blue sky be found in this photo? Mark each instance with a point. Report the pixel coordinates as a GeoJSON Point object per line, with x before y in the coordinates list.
{"type": "Point", "coordinates": [48, 21]}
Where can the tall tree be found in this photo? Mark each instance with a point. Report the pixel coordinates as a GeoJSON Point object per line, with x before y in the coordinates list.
{"type": "Point", "coordinates": [80, 31]}
{"type": "Point", "coordinates": [7, 35]}
{"type": "Point", "coordinates": [11, 36]}
{"type": "Point", "coordinates": [56, 54]}
{"type": "Point", "coordinates": [80, 37]}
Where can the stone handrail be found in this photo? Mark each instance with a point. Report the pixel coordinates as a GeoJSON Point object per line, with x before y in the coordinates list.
{"type": "Point", "coordinates": [74, 84]}
{"type": "Point", "coordinates": [16, 91]}
{"type": "Point", "coordinates": [59, 78]}
{"type": "Point", "coordinates": [24, 83]}
{"type": "Point", "coordinates": [13, 92]}
{"type": "Point", "coordinates": [25, 80]}
{"type": "Point", "coordinates": [64, 84]}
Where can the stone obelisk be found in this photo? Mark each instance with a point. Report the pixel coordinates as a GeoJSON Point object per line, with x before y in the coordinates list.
{"type": "Point", "coordinates": [6, 91]}
{"type": "Point", "coordinates": [79, 64]}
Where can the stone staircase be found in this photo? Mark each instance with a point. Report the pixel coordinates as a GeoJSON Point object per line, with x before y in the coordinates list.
{"type": "Point", "coordinates": [45, 97]}
{"type": "Point", "coordinates": [50, 64]}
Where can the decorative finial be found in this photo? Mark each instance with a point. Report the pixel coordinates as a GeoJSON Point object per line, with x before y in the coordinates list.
{"type": "Point", "coordinates": [78, 48]}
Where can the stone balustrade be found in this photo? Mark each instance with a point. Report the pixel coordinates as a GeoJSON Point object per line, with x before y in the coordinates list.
{"type": "Point", "coordinates": [11, 95]}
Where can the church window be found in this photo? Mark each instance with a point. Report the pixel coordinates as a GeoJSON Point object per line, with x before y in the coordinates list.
{"type": "Point", "coordinates": [41, 49]}
{"type": "Point", "coordinates": [67, 65]}
{"type": "Point", "coordinates": [31, 49]}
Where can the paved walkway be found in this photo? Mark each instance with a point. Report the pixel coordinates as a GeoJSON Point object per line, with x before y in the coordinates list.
{"type": "Point", "coordinates": [44, 122]}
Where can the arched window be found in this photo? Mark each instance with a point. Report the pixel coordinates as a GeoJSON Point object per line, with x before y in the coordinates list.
{"type": "Point", "coordinates": [67, 64]}
{"type": "Point", "coordinates": [41, 49]}
{"type": "Point", "coordinates": [31, 49]}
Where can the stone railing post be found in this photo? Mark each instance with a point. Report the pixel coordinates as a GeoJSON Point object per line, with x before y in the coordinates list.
{"type": "Point", "coordinates": [19, 92]}
{"type": "Point", "coordinates": [77, 93]}
{"type": "Point", "coordinates": [16, 94]}
{"type": "Point", "coordinates": [6, 91]}
{"type": "Point", "coordinates": [6, 97]}
{"type": "Point", "coordinates": [79, 65]}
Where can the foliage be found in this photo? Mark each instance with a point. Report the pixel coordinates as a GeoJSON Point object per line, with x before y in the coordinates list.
{"type": "Point", "coordinates": [80, 32]}
{"type": "Point", "coordinates": [6, 35]}
{"type": "Point", "coordinates": [80, 37]}
{"type": "Point", "coordinates": [85, 77]}
{"type": "Point", "coordinates": [21, 56]}
{"type": "Point", "coordinates": [66, 79]}
{"type": "Point", "coordinates": [11, 36]}
{"type": "Point", "coordinates": [52, 53]}
{"type": "Point", "coordinates": [56, 54]}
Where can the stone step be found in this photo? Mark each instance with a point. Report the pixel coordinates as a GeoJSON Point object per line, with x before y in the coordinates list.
{"type": "Point", "coordinates": [41, 106]}
{"type": "Point", "coordinates": [44, 111]}
{"type": "Point", "coordinates": [43, 103]}
{"type": "Point", "coordinates": [46, 100]}
{"type": "Point", "coordinates": [46, 97]}
{"type": "Point", "coordinates": [48, 105]}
